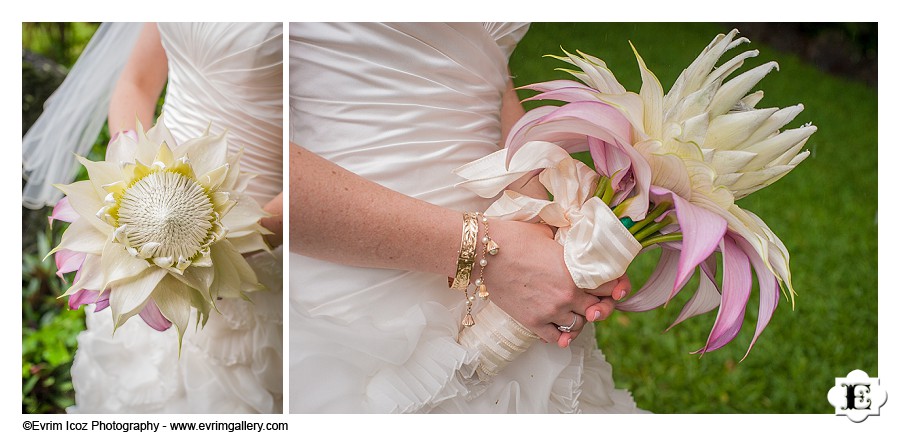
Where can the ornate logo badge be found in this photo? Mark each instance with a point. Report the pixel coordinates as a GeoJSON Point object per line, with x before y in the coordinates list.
{"type": "Point", "coordinates": [857, 396]}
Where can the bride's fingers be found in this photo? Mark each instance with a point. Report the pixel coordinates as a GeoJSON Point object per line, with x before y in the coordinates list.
{"type": "Point", "coordinates": [601, 310]}
{"type": "Point", "coordinates": [570, 329]}
{"type": "Point", "coordinates": [621, 288]}
{"type": "Point", "coordinates": [565, 339]}
{"type": "Point", "coordinates": [604, 290]}
{"type": "Point", "coordinates": [617, 288]}
{"type": "Point", "coordinates": [548, 333]}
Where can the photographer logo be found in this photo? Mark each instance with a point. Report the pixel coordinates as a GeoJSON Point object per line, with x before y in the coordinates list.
{"type": "Point", "coordinates": [857, 396]}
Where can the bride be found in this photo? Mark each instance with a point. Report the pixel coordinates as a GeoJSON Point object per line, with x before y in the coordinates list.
{"type": "Point", "coordinates": [229, 75]}
{"type": "Point", "coordinates": [380, 116]}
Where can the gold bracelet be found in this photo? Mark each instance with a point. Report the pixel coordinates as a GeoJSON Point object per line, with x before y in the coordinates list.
{"type": "Point", "coordinates": [466, 252]}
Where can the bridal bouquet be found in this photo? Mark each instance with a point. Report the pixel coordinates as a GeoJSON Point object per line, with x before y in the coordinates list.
{"type": "Point", "coordinates": [668, 168]}
{"type": "Point", "coordinates": [159, 228]}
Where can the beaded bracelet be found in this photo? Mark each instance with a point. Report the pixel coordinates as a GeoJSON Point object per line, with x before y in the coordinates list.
{"type": "Point", "coordinates": [488, 246]}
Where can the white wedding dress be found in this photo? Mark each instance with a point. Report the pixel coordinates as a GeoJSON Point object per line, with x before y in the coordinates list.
{"type": "Point", "coordinates": [229, 74]}
{"type": "Point", "coordinates": [403, 105]}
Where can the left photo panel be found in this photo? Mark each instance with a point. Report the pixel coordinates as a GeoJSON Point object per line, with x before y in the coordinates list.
{"type": "Point", "coordinates": [151, 218]}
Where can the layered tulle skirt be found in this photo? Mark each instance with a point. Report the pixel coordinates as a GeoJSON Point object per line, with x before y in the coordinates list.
{"type": "Point", "coordinates": [232, 365]}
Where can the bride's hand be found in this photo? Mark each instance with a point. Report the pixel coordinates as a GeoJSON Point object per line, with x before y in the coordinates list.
{"type": "Point", "coordinates": [529, 280]}
{"type": "Point", "coordinates": [609, 293]}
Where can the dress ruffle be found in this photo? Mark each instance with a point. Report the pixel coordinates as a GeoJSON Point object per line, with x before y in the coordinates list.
{"type": "Point", "coordinates": [232, 365]}
{"type": "Point", "coordinates": [391, 358]}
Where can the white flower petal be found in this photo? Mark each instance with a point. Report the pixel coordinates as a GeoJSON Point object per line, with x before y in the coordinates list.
{"type": "Point", "coordinates": [102, 173]}
{"type": "Point", "coordinates": [735, 89]}
{"type": "Point", "coordinates": [249, 243]}
{"type": "Point", "coordinates": [652, 96]}
{"type": "Point", "coordinates": [244, 215]}
{"type": "Point", "coordinates": [232, 275]}
{"type": "Point", "coordinates": [128, 296]}
{"type": "Point", "coordinates": [82, 237]}
{"type": "Point", "coordinates": [118, 264]}
{"type": "Point", "coordinates": [205, 153]}
{"type": "Point", "coordinates": [84, 200]}
{"type": "Point", "coordinates": [729, 161]}
{"type": "Point", "coordinates": [90, 276]}
{"type": "Point", "coordinates": [778, 120]}
{"type": "Point", "coordinates": [174, 301]}
{"type": "Point", "coordinates": [728, 131]}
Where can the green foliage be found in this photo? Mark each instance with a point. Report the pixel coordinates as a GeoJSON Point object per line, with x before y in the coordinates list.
{"type": "Point", "coordinates": [49, 329]}
{"type": "Point", "coordinates": [48, 332]}
{"type": "Point", "coordinates": [60, 42]}
{"type": "Point", "coordinates": [825, 213]}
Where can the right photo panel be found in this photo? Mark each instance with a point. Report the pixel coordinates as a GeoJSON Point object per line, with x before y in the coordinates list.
{"type": "Point", "coordinates": [581, 217]}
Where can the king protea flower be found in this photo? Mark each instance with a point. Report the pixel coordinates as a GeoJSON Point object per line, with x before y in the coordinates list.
{"type": "Point", "coordinates": [159, 228]}
{"type": "Point", "coordinates": [695, 149]}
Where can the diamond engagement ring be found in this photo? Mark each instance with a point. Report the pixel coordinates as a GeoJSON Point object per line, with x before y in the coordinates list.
{"type": "Point", "coordinates": [568, 328]}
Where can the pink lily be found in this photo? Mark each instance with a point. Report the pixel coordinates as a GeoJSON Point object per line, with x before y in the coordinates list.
{"type": "Point", "coordinates": [704, 233]}
{"type": "Point", "coordinates": [596, 127]}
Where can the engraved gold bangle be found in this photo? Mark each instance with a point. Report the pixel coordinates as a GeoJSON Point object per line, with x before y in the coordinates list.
{"type": "Point", "coordinates": [466, 252]}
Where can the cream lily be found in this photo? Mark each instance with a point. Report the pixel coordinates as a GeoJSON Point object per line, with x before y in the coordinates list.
{"type": "Point", "coordinates": [159, 228]}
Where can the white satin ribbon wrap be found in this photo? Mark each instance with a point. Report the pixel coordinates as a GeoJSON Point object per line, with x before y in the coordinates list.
{"type": "Point", "coordinates": [497, 338]}
{"type": "Point", "coordinates": [597, 247]}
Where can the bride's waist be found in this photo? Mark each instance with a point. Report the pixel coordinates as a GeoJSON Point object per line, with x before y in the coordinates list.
{"type": "Point", "coordinates": [322, 288]}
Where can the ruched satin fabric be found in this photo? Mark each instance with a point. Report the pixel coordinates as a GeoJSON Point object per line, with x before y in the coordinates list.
{"type": "Point", "coordinates": [404, 105]}
{"type": "Point", "coordinates": [230, 75]}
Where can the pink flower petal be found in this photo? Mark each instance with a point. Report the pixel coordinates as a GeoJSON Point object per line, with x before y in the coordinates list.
{"type": "Point", "coordinates": [567, 94]}
{"type": "Point", "coordinates": [554, 85]}
{"type": "Point", "coordinates": [609, 160]}
{"type": "Point", "coordinates": [68, 261]}
{"type": "Point", "coordinates": [656, 290]}
{"type": "Point", "coordinates": [701, 229]}
{"type": "Point", "coordinates": [706, 298]}
{"type": "Point", "coordinates": [153, 317]}
{"type": "Point", "coordinates": [103, 301]}
{"type": "Point", "coordinates": [768, 290]}
{"type": "Point", "coordinates": [569, 126]}
{"type": "Point", "coordinates": [87, 296]}
{"type": "Point", "coordinates": [736, 284]}
{"type": "Point", "coordinates": [63, 212]}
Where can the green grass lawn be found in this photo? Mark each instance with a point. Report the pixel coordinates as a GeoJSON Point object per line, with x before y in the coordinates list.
{"type": "Point", "coordinates": [824, 211]}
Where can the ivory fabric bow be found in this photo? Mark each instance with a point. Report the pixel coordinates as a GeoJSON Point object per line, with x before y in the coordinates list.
{"type": "Point", "coordinates": [597, 247]}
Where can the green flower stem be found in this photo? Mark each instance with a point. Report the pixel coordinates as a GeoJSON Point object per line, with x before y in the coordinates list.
{"type": "Point", "coordinates": [655, 213]}
{"type": "Point", "coordinates": [608, 193]}
{"type": "Point", "coordinates": [651, 229]}
{"type": "Point", "coordinates": [620, 209]}
{"type": "Point", "coordinates": [661, 238]}
{"type": "Point", "coordinates": [601, 187]}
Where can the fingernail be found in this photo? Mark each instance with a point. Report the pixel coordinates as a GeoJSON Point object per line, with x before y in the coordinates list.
{"type": "Point", "coordinates": [619, 294]}
{"type": "Point", "coordinates": [596, 315]}
{"type": "Point", "coordinates": [569, 342]}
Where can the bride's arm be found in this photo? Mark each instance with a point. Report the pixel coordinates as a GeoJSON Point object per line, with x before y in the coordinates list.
{"type": "Point", "coordinates": [341, 217]}
{"type": "Point", "coordinates": [140, 84]}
